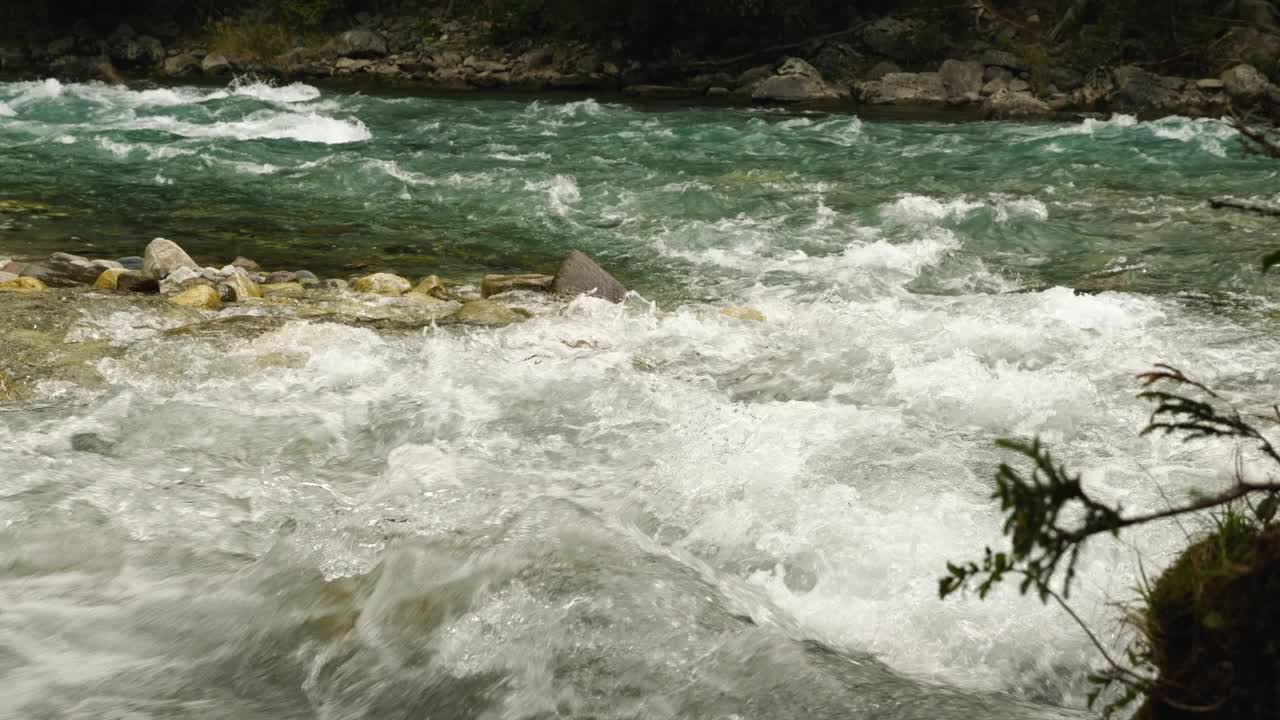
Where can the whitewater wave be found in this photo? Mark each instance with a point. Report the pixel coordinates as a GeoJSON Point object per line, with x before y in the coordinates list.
{"type": "Point", "coordinates": [911, 209]}
{"type": "Point", "coordinates": [268, 125]}
{"type": "Point", "coordinates": [269, 92]}
{"type": "Point", "coordinates": [562, 192]}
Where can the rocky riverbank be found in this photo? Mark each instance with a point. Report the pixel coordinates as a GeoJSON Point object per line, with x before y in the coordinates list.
{"type": "Point", "coordinates": [866, 67]}
{"type": "Point", "coordinates": [166, 270]}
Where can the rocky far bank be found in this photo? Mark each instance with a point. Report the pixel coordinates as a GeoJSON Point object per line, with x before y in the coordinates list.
{"type": "Point", "coordinates": [858, 69]}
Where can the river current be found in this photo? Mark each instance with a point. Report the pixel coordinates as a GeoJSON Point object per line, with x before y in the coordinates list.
{"type": "Point", "coordinates": [645, 510]}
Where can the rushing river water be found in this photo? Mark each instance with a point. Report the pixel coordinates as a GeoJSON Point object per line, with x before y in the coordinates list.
{"type": "Point", "coordinates": [650, 510]}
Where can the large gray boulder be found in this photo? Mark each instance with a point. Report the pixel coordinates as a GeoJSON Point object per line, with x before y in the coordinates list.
{"type": "Point", "coordinates": [1009, 105]}
{"type": "Point", "coordinates": [358, 44]}
{"type": "Point", "coordinates": [961, 79]}
{"type": "Point", "coordinates": [165, 256]}
{"type": "Point", "coordinates": [215, 64]}
{"type": "Point", "coordinates": [1137, 89]}
{"type": "Point", "coordinates": [919, 89]}
{"type": "Point", "coordinates": [794, 81]}
{"type": "Point", "coordinates": [1244, 84]}
{"type": "Point", "coordinates": [580, 275]}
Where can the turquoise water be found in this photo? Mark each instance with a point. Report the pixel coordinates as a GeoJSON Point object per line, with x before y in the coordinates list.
{"type": "Point", "coordinates": [649, 510]}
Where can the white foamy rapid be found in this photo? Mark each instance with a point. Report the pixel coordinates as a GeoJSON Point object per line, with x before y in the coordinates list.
{"type": "Point", "coordinates": [730, 496]}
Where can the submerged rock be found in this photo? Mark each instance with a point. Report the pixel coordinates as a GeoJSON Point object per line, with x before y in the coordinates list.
{"type": "Point", "coordinates": [9, 389]}
{"type": "Point", "coordinates": [139, 281]}
{"type": "Point", "coordinates": [23, 285]}
{"type": "Point", "coordinates": [496, 284]}
{"type": "Point", "coordinates": [246, 263]}
{"type": "Point", "coordinates": [488, 313]}
{"type": "Point", "coordinates": [133, 262]}
{"type": "Point", "coordinates": [580, 275]}
{"type": "Point", "coordinates": [382, 284]}
{"type": "Point", "coordinates": [743, 313]}
{"type": "Point", "coordinates": [163, 257]}
{"type": "Point", "coordinates": [284, 290]}
{"type": "Point", "coordinates": [202, 297]}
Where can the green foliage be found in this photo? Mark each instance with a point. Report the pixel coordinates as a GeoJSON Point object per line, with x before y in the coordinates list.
{"type": "Point", "coordinates": [657, 25]}
{"type": "Point", "coordinates": [248, 38]}
{"type": "Point", "coordinates": [1049, 517]}
{"type": "Point", "coordinates": [308, 14]}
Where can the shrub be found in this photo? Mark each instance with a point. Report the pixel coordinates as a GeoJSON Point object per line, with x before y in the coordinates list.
{"type": "Point", "coordinates": [248, 38]}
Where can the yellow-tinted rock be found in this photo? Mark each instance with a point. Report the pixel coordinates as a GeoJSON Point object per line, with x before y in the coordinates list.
{"type": "Point", "coordinates": [9, 390]}
{"type": "Point", "coordinates": [201, 297]}
{"type": "Point", "coordinates": [382, 284]}
{"type": "Point", "coordinates": [488, 313]}
{"type": "Point", "coordinates": [431, 285]}
{"type": "Point", "coordinates": [743, 313]}
{"type": "Point", "coordinates": [242, 286]}
{"type": "Point", "coordinates": [22, 207]}
{"type": "Point", "coordinates": [107, 280]}
{"type": "Point", "coordinates": [23, 285]}
{"type": "Point", "coordinates": [284, 290]}
{"type": "Point", "coordinates": [495, 284]}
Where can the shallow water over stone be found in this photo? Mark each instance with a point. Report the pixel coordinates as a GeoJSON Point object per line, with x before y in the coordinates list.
{"type": "Point", "coordinates": [729, 496]}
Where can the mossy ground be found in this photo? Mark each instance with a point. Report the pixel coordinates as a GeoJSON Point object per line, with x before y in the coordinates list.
{"type": "Point", "coordinates": [1213, 624]}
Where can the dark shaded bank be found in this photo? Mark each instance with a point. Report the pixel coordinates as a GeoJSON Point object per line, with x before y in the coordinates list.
{"type": "Point", "coordinates": [1008, 60]}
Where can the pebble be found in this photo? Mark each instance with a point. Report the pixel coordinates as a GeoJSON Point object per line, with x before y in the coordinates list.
{"type": "Point", "coordinates": [279, 276]}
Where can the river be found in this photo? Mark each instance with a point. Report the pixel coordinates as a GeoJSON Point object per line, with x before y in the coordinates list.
{"type": "Point", "coordinates": [645, 510]}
